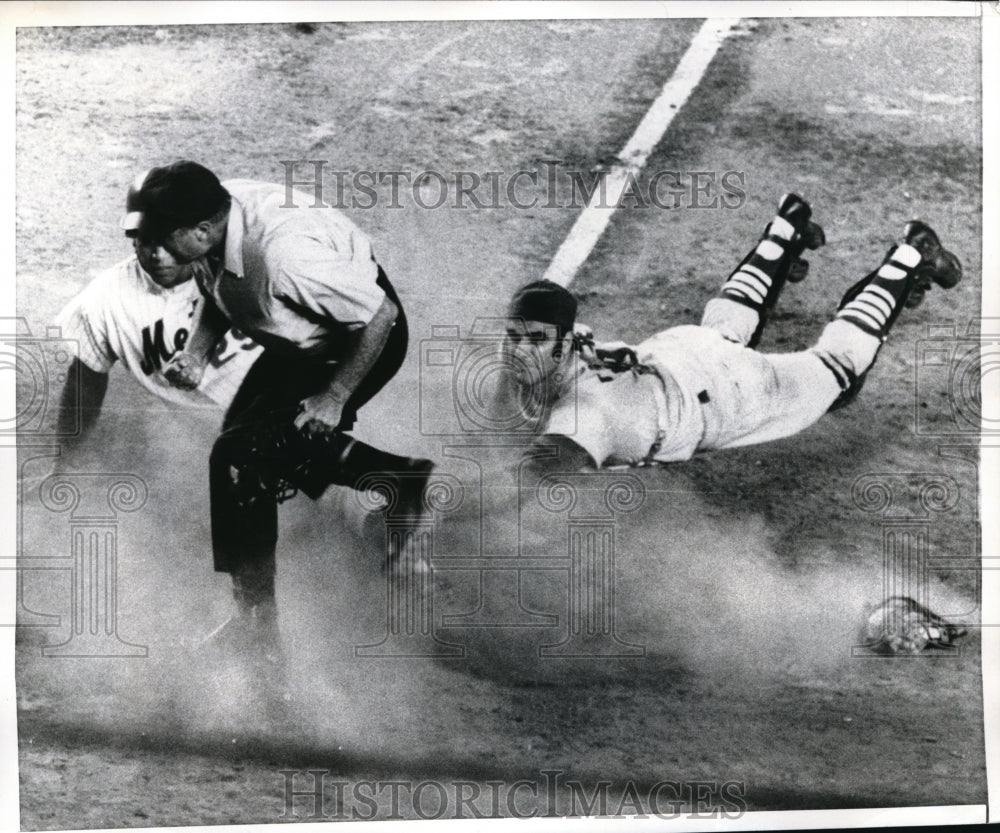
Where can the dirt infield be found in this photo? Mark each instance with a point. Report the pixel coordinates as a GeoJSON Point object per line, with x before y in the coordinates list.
{"type": "Point", "coordinates": [743, 578]}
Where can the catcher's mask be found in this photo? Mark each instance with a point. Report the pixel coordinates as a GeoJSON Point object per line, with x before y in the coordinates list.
{"type": "Point", "coordinates": [277, 461]}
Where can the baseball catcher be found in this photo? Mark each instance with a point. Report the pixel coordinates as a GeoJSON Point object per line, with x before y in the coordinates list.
{"type": "Point", "coordinates": [690, 389]}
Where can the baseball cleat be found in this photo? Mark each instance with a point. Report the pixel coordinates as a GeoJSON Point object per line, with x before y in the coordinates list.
{"type": "Point", "coordinates": [937, 264]}
{"type": "Point", "coordinates": [250, 640]}
{"type": "Point", "coordinates": [251, 634]}
{"type": "Point", "coordinates": [412, 484]}
{"type": "Point", "coordinates": [907, 272]}
{"type": "Point", "coordinates": [775, 260]}
{"type": "Point", "coordinates": [808, 234]}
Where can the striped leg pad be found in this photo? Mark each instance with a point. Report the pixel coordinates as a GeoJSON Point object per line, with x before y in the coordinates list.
{"type": "Point", "coordinates": [875, 308]}
{"type": "Point", "coordinates": [753, 280]}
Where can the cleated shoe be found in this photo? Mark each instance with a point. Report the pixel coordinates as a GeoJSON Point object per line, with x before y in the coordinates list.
{"type": "Point", "coordinates": [776, 260]}
{"type": "Point", "coordinates": [808, 234]}
{"type": "Point", "coordinates": [937, 264]}
{"type": "Point", "coordinates": [798, 213]}
{"type": "Point", "coordinates": [907, 272]}
{"type": "Point", "coordinates": [412, 484]}
{"type": "Point", "coordinates": [250, 635]}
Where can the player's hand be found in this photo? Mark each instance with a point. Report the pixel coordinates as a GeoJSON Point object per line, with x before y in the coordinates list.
{"type": "Point", "coordinates": [320, 414]}
{"type": "Point", "coordinates": [184, 371]}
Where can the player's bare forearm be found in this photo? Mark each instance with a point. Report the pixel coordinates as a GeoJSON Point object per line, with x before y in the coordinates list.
{"type": "Point", "coordinates": [80, 404]}
{"type": "Point", "coordinates": [370, 342]}
{"type": "Point", "coordinates": [322, 412]}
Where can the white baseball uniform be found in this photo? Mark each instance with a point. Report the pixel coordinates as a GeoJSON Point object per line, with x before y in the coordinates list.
{"type": "Point", "coordinates": [704, 389]}
{"type": "Point", "coordinates": [123, 315]}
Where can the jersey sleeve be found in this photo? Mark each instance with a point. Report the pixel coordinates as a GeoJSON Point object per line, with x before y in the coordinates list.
{"type": "Point", "coordinates": [578, 418]}
{"type": "Point", "coordinates": [83, 322]}
{"type": "Point", "coordinates": [310, 275]}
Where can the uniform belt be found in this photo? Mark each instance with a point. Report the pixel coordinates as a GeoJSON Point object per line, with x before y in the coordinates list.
{"type": "Point", "coordinates": [660, 397]}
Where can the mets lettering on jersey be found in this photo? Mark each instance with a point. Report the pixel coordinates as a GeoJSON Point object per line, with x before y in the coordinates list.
{"type": "Point", "coordinates": [122, 315]}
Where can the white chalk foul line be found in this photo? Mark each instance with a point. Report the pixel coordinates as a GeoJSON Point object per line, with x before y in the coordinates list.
{"type": "Point", "coordinates": [591, 223]}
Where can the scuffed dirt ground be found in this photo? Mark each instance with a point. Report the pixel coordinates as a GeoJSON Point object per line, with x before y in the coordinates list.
{"type": "Point", "coordinates": [744, 574]}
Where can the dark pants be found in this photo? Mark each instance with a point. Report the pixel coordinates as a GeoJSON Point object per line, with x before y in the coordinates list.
{"type": "Point", "coordinates": [245, 534]}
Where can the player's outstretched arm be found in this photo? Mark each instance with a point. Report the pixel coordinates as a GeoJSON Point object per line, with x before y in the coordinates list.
{"type": "Point", "coordinates": [322, 412]}
{"type": "Point", "coordinates": [556, 452]}
{"type": "Point", "coordinates": [80, 404]}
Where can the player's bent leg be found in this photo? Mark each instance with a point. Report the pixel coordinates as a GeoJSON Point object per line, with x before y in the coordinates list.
{"type": "Point", "coordinates": [848, 352]}
{"type": "Point", "coordinates": [354, 463]}
{"type": "Point", "coordinates": [771, 396]}
{"type": "Point", "coordinates": [758, 281]}
{"type": "Point", "coordinates": [734, 321]}
{"type": "Point", "coordinates": [244, 514]}
{"type": "Point", "coordinates": [870, 308]}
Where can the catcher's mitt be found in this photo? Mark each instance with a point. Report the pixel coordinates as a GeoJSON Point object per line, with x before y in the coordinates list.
{"type": "Point", "coordinates": [901, 625]}
{"type": "Point", "coordinates": [276, 461]}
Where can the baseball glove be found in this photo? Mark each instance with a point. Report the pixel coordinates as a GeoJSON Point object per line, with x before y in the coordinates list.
{"type": "Point", "coordinates": [901, 625]}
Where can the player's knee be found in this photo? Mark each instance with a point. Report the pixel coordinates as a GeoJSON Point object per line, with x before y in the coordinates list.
{"type": "Point", "coordinates": [849, 346]}
{"type": "Point", "coordinates": [734, 321]}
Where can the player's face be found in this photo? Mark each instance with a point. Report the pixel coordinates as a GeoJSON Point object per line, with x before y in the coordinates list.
{"type": "Point", "coordinates": [531, 351]}
{"type": "Point", "coordinates": [159, 264]}
{"type": "Point", "coordinates": [187, 244]}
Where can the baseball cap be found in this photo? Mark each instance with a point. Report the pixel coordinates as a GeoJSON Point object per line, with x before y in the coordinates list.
{"type": "Point", "coordinates": [544, 301]}
{"type": "Point", "coordinates": [179, 195]}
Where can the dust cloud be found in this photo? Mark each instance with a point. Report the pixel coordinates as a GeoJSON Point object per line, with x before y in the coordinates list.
{"type": "Point", "coordinates": [693, 593]}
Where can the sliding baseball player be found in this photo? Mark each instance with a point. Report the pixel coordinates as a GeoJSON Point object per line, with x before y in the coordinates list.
{"type": "Point", "coordinates": [696, 388]}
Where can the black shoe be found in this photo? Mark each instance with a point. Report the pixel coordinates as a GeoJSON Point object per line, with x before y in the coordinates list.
{"type": "Point", "coordinates": [412, 483]}
{"type": "Point", "coordinates": [774, 261]}
{"type": "Point", "coordinates": [937, 264]}
{"type": "Point", "coordinates": [808, 234]}
{"type": "Point", "coordinates": [875, 302]}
